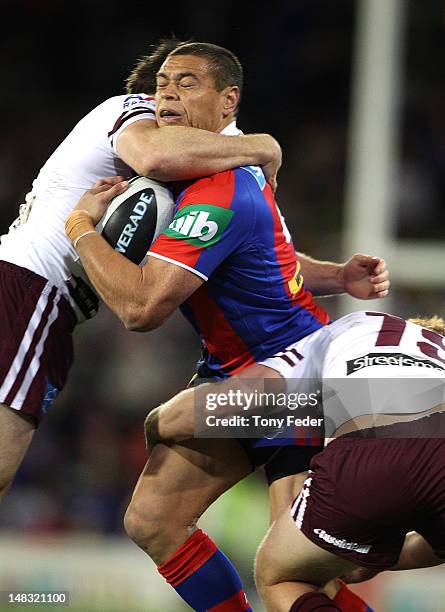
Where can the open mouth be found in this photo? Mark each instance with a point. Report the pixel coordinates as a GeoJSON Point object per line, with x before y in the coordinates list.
{"type": "Point", "coordinates": [165, 114]}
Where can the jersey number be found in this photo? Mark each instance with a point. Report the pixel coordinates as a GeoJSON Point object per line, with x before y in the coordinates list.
{"type": "Point", "coordinates": [391, 333]}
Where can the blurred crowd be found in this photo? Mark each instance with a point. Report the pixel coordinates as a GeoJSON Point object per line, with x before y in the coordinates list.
{"type": "Point", "coordinates": [58, 60]}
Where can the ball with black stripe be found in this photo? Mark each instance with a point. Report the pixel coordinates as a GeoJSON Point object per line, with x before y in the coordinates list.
{"type": "Point", "coordinates": [135, 218]}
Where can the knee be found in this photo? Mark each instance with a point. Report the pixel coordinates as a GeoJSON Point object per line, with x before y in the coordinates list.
{"type": "Point", "coordinates": [147, 524]}
{"type": "Point", "coordinates": [141, 523]}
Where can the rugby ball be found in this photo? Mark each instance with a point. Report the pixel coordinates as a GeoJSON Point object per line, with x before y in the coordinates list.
{"type": "Point", "coordinates": [135, 218]}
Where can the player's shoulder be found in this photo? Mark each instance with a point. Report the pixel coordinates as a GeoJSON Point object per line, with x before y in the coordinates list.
{"type": "Point", "coordinates": [253, 175]}
{"type": "Point", "coordinates": [358, 319]}
{"type": "Point", "coordinates": [130, 102]}
{"type": "Point", "coordinates": [124, 105]}
{"type": "Point", "coordinates": [217, 190]}
{"type": "Point", "coordinates": [226, 188]}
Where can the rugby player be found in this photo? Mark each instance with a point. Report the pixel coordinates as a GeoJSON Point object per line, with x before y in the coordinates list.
{"type": "Point", "coordinates": [228, 260]}
{"type": "Point", "coordinates": [38, 270]}
{"type": "Point", "coordinates": [366, 491]}
{"type": "Point", "coordinates": [381, 476]}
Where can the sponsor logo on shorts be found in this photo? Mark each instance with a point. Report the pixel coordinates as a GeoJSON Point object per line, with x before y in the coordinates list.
{"type": "Point", "coordinates": [389, 359]}
{"type": "Point", "coordinates": [342, 543]}
{"type": "Point", "coordinates": [200, 224]}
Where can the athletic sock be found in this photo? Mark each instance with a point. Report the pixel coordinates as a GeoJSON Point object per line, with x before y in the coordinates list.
{"type": "Point", "coordinates": [314, 602]}
{"type": "Point", "coordinates": [204, 577]}
{"type": "Point", "coordinates": [348, 601]}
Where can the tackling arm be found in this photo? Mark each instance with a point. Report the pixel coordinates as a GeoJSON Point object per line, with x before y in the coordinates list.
{"type": "Point", "coordinates": [174, 153]}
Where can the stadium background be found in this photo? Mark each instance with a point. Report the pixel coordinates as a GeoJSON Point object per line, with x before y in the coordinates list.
{"type": "Point", "coordinates": [61, 522]}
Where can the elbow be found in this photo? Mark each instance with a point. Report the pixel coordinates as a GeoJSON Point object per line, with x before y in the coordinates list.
{"type": "Point", "coordinates": [151, 164]}
{"type": "Point", "coordinates": [143, 319]}
{"type": "Point", "coordinates": [136, 323]}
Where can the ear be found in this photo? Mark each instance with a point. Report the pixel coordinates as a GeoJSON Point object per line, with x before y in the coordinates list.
{"type": "Point", "coordinates": [231, 98]}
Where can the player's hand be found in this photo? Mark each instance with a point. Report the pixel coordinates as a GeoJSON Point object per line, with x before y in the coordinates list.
{"type": "Point", "coordinates": [365, 277]}
{"type": "Point", "coordinates": [270, 172]}
{"type": "Point", "coordinates": [272, 166]}
{"type": "Point", "coordinates": [95, 200]}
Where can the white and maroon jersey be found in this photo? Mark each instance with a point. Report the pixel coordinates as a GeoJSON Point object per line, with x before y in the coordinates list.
{"type": "Point", "coordinates": [367, 345]}
{"type": "Point", "coordinates": [37, 239]}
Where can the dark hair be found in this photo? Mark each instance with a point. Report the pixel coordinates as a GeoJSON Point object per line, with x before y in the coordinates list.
{"type": "Point", "coordinates": [224, 65]}
{"type": "Point", "coordinates": [142, 78]}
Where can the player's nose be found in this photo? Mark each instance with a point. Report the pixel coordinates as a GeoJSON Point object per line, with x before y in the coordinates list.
{"type": "Point", "coordinates": [169, 92]}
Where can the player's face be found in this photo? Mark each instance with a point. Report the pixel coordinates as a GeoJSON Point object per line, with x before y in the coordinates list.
{"type": "Point", "coordinates": [186, 95]}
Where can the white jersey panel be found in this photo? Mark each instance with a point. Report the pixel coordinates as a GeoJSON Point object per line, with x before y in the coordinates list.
{"type": "Point", "coordinates": [38, 240]}
{"type": "Point", "coordinates": [367, 363]}
{"type": "Point", "coordinates": [364, 344]}
{"type": "Point", "coordinates": [378, 345]}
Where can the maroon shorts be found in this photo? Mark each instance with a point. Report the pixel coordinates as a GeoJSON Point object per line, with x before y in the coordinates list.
{"type": "Point", "coordinates": [364, 494]}
{"type": "Point", "coordinates": [36, 349]}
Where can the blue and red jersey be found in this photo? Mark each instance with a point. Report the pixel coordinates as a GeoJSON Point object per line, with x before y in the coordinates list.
{"type": "Point", "coordinates": [228, 230]}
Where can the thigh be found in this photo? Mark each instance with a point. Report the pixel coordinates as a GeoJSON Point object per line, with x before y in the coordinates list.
{"type": "Point", "coordinates": [283, 492]}
{"type": "Point", "coordinates": [193, 465]}
{"type": "Point", "coordinates": [287, 555]}
{"type": "Point", "coordinates": [15, 436]}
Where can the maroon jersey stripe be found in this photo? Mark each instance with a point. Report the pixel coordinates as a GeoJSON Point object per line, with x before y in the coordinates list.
{"type": "Point", "coordinates": [128, 115]}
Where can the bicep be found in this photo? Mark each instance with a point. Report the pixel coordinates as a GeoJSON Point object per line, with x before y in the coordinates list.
{"type": "Point", "coordinates": [134, 145]}
{"type": "Point", "coordinates": [169, 285]}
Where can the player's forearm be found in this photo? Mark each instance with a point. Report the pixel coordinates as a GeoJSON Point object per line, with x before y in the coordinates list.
{"type": "Point", "coordinates": [118, 281]}
{"type": "Point", "coordinates": [181, 153]}
{"type": "Point", "coordinates": [321, 277]}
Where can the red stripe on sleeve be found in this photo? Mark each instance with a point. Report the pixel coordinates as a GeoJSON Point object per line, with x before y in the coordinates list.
{"type": "Point", "coordinates": [178, 250]}
{"type": "Point", "coordinates": [217, 190]}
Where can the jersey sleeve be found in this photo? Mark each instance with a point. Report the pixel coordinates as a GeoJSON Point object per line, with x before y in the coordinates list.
{"type": "Point", "coordinates": [134, 108]}
{"type": "Point", "coordinates": [213, 218]}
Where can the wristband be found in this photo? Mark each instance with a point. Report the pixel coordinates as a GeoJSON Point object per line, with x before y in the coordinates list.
{"type": "Point", "coordinates": [78, 224]}
{"type": "Point", "coordinates": [76, 241]}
